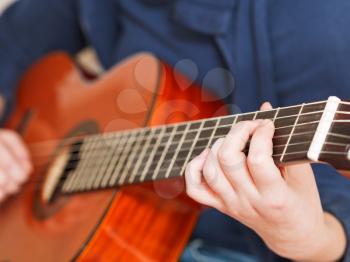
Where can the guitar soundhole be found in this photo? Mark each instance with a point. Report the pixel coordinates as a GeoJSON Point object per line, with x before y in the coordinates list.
{"type": "Point", "coordinates": [47, 199]}
{"type": "Point", "coordinates": [74, 158]}
{"type": "Point", "coordinates": [65, 161]}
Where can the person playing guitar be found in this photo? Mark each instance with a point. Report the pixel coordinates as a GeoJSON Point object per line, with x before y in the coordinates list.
{"type": "Point", "coordinates": [286, 52]}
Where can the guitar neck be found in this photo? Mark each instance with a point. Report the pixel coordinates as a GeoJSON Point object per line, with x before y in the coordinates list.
{"type": "Point", "coordinates": [160, 152]}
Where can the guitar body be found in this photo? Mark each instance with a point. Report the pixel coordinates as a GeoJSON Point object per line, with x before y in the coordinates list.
{"type": "Point", "coordinates": [148, 222]}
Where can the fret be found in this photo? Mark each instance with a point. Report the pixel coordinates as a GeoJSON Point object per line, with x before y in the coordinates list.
{"type": "Point", "coordinates": [163, 152]}
{"type": "Point", "coordinates": [94, 160]}
{"type": "Point", "coordinates": [159, 154]}
{"type": "Point", "coordinates": [284, 121]}
{"type": "Point", "coordinates": [314, 107]}
{"type": "Point", "coordinates": [206, 132]}
{"type": "Point", "coordinates": [154, 132]}
{"type": "Point", "coordinates": [245, 117]}
{"type": "Point", "coordinates": [227, 121]}
{"type": "Point", "coordinates": [123, 157]}
{"type": "Point", "coordinates": [135, 150]}
{"type": "Point", "coordinates": [126, 162]}
{"type": "Point", "coordinates": [152, 154]}
{"type": "Point", "coordinates": [115, 155]}
{"type": "Point", "coordinates": [203, 140]}
{"type": "Point", "coordinates": [269, 114]}
{"type": "Point", "coordinates": [86, 160]}
{"type": "Point", "coordinates": [75, 175]}
{"type": "Point", "coordinates": [303, 133]}
{"type": "Point", "coordinates": [188, 158]}
{"type": "Point", "coordinates": [133, 154]}
{"type": "Point", "coordinates": [199, 143]}
{"type": "Point", "coordinates": [275, 116]}
{"type": "Point", "coordinates": [111, 142]}
{"type": "Point", "coordinates": [162, 157]}
{"type": "Point", "coordinates": [207, 137]}
{"type": "Point", "coordinates": [161, 148]}
{"type": "Point", "coordinates": [214, 131]}
{"type": "Point", "coordinates": [291, 133]}
{"type": "Point", "coordinates": [99, 154]}
{"type": "Point", "coordinates": [70, 181]}
{"type": "Point", "coordinates": [188, 139]}
{"type": "Point", "coordinates": [309, 119]}
{"type": "Point", "coordinates": [224, 126]}
{"type": "Point", "coordinates": [178, 147]}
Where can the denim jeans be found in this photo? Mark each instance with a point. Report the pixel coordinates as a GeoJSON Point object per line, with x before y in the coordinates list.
{"type": "Point", "coordinates": [198, 251]}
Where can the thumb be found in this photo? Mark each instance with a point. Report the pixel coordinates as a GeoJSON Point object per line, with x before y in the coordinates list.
{"type": "Point", "coordinates": [299, 176]}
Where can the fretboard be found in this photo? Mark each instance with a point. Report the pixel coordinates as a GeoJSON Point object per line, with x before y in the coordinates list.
{"type": "Point", "coordinates": [152, 153]}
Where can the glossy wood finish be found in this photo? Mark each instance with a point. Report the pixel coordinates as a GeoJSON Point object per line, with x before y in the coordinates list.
{"type": "Point", "coordinates": [138, 223]}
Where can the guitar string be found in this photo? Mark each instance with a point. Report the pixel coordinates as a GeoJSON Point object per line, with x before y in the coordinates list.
{"type": "Point", "coordinates": [119, 135]}
{"type": "Point", "coordinates": [344, 136]}
{"type": "Point", "coordinates": [35, 182]}
{"type": "Point", "coordinates": [129, 131]}
{"type": "Point", "coordinates": [71, 139]}
{"type": "Point", "coordinates": [223, 136]}
{"type": "Point", "coordinates": [246, 150]}
{"type": "Point", "coordinates": [102, 156]}
{"type": "Point", "coordinates": [96, 163]}
{"type": "Point", "coordinates": [330, 143]}
{"type": "Point", "coordinates": [344, 102]}
{"type": "Point", "coordinates": [96, 159]}
{"type": "Point", "coordinates": [102, 147]}
{"type": "Point", "coordinates": [289, 116]}
{"type": "Point", "coordinates": [103, 143]}
{"type": "Point", "coordinates": [141, 138]}
{"type": "Point", "coordinates": [278, 155]}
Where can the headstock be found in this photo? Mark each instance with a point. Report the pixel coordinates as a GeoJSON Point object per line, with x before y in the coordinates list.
{"type": "Point", "coordinates": [336, 148]}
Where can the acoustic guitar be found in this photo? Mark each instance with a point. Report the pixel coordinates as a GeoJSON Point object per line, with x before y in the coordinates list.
{"type": "Point", "coordinates": [109, 155]}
